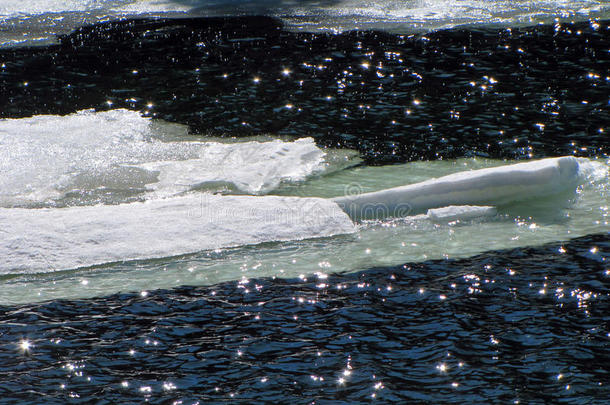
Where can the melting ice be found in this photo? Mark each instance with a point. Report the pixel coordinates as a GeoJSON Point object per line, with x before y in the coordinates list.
{"type": "Point", "coordinates": [117, 188]}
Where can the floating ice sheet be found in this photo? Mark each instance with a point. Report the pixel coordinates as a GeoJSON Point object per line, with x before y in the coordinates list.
{"type": "Point", "coordinates": [51, 239]}
{"type": "Point", "coordinates": [119, 156]}
{"type": "Point", "coordinates": [490, 186]}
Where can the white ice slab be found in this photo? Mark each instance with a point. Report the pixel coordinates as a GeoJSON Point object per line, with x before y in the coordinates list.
{"type": "Point", "coordinates": [50, 239]}
{"type": "Point", "coordinates": [460, 212]}
{"type": "Point", "coordinates": [491, 186]}
{"type": "Point", "coordinates": [89, 155]}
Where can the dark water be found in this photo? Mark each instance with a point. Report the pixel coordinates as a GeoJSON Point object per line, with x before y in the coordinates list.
{"type": "Point", "coordinates": [449, 94]}
{"type": "Point", "coordinates": [529, 325]}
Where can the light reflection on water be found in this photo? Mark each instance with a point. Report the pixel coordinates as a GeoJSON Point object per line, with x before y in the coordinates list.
{"type": "Point", "coordinates": [450, 334]}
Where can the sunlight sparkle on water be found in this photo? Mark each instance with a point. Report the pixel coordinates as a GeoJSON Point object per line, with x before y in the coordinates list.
{"type": "Point", "coordinates": [168, 386]}
{"type": "Point", "coordinates": [25, 345]}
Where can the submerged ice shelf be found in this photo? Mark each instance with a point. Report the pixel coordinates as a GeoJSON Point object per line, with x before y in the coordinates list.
{"type": "Point", "coordinates": [72, 237]}
{"type": "Point", "coordinates": [169, 194]}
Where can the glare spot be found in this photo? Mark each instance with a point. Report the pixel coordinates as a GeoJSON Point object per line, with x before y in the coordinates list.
{"type": "Point", "coordinates": [25, 345]}
{"type": "Point", "coordinates": [286, 72]}
{"type": "Point", "coordinates": [145, 389]}
{"type": "Point", "coordinates": [365, 65]}
{"type": "Point", "coordinates": [256, 79]}
{"type": "Point", "coordinates": [168, 386]}
{"type": "Point", "coordinates": [144, 293]}
{"type": "Point", "coordinates": [125, 384]}
{"type": "Point", "coordinates": [416, 102]}
{"type": "Point", "coordinates": [442, 368]}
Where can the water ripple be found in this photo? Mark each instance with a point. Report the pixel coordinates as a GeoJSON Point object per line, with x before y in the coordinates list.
{"type": "Point", "coordinates": [441, 331]}
{"type": "Point", "coordinates": [502, 93]}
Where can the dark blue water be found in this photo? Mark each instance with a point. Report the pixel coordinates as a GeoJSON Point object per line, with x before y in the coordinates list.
{"type": "Point", "coordinates": [529, 325]}
{"type": "Point", "coordinates": [520, 93]}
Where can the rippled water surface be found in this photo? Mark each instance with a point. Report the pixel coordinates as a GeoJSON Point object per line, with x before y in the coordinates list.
{"type": "Point", "coordinates": [504, 93]}
{"type": "Point", "coordinates": [527, 325]}
{"type": "Point", "coordinates": [508, 309]}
